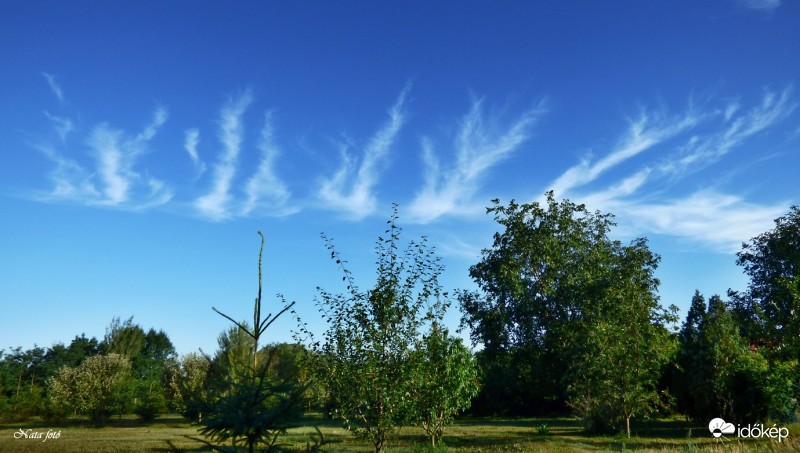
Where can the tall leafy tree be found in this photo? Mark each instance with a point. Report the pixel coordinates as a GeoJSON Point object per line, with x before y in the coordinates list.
{"type": "Point", "coordinates": [623, 343]}
{"type": "Point", "coordinates": [368, 349]}
{"type": "Point", "coordinates": [124, 338]}
{"type": "Point", "coordinates": [769, 310]}
{"type": "Point", "coordinates": [553, 288]}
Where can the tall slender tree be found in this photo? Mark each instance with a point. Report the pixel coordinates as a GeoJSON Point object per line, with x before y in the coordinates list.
{"type": "Point", "coordinates": [256, 407]}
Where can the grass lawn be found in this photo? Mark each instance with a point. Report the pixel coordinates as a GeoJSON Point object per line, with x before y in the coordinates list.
{"type": "Point", "coordinates": [171, 433]}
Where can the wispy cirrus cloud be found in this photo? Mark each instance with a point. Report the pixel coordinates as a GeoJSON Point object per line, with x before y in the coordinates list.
{"type": "Point", "coordinates": [113, 180]}
{"type": "Point", "coordinates": [760, 5]}
{"type": "Point", "coordinates": [62, 125]}
{"type": "Point", "coordinates": [351, 188]}
{"type": "Point", "coordinates": [116, 154]}
{"type": "Point", "coordinates": [215, 204]}
{"type": "Point", "coordinates": [691, 142]}
{"type": "Point", "coordinates": [649, 130]}
{"type": "Point", "coordinates": [702, 150]}
{"type": "Point", "coordinates": [719, 221]}
{"type": "Point", "coordinates": [479, 146]}
{"type": "Point", "coordinates": [55, 87]}
{"type": "Point", "coordinates": [265, 190]}
{"type": "Point", "coordinates": [190, 142]}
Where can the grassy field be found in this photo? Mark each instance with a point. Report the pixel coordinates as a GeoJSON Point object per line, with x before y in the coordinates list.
{"type": "Point", "coordinates": [173, 433]}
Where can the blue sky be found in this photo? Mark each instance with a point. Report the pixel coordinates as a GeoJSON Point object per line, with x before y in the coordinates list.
{"type": "Point", "coordinates": [144, 144]}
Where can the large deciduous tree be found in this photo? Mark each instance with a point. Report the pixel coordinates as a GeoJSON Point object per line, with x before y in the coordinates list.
{"type": "Point", "coordinates": [572, 312]}
{"type": "Point", "coordinates": [769, 310]}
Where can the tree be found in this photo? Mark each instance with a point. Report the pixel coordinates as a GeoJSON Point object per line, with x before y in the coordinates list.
{"type": "Point", "coordinates": [189, 387]}
{"type": "Point", "coordinates": [253, 406]}
{"type": "Point", "coordinates": [96, 387]}
{"type": "Point", "coordinates": [22, 376]}
{"type": "Point", "coordinates": [149, 353]}
{"type": "Point", "coordinates": [623, 344]}
{"type": "Point", "coordinates": [689, 376]}
{"type": "Point", "coordinates": [367, 351]}
{"type": "Point", "coordinates": [725, 378]}
{"type": "Point", "coordinates": [769, 310]}
{"type": "Point", "coordinates": [553, 286]}
{"type": "Point", "coordinates": [124, 338]}
{"type": "Point", "coordinates": [446, 381]}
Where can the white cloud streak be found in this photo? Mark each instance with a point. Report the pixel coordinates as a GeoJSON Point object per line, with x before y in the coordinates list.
{"type": "Point", "coordinates": [719, 221]}
{"type": "Point", "coordinates": [63, 126]}
{"type": "Point", "coordinates": [701, 151]}
{"type": "Point", "coordinates": [760, 5]}
{"type": "Point", "coordinates": [350, 189]}
{"type": "Point", "coordinates": [643, 134]}
{"type": "Point", "coordinates": [714, 219]}
{"type": "Point", "coordinates": [215, 204]}
{"type": "Point", "coordinates": [265, 191]}
{"type": "Point", "coordinates": [116, 155]}
{"type": "Point", "coordinates": [190, 142]}
{"type": "Point", "coordinates": [479, 146]}
{"type": "Point", "coordinates": [114, 181]}
{"type": "Point", "coordinates": [55, 87]}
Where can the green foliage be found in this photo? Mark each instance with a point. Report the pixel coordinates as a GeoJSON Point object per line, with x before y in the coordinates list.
{"type": "Point", "coordinates": [572, 314]}
{"type": "Point", "coordinates": [124, 338]}
{"type": "Point", "coordinates": [367, 355]}
{"type": "Point", "coordinates": [446, 380]}
{"type": "Point", "coordinates": [783, 391]}
{"type": "Point", "coordinates": [722, 376]}
{"type": "Point", "coordinates": [250, 403]}
{"type": "Point", "coordinates": [769, 311]}
{"type": "Point", "coordinates": [96, 387]}
{"type": "Point", "coordinates": [188, 385]}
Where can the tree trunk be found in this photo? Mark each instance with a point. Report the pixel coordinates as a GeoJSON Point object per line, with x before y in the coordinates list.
{"type": "Point", "coordinates": [628, 424]}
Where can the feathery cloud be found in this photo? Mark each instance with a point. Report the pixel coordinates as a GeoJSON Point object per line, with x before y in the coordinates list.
{"type": "Point", "coordinates": [479, 146]}
{"type": "Point", "coordinates": [264, 190]}
{"type": "Point", "coordinates": [62, 125]}
{"type": "Point", "coordinates": [643, 134]}
{"type": "Point", "coordinates": [215, 203]}
{"type": "Point", "coordinates": [709, 217]}
{"type": "Point", "coordinates": [190, 142]}
{"type": "Point", "coordinates": [116, 155]}
{"type": "Point", "coordinates": [701, 151]}
{"type": "Point", "coordinates": [760, 5]}
{"type": "Point", "coordinates": [55, 88]}
{"type": "Point", "coordinates": [717, 220]}
{"type": "Point", "coordinates": [350, 189]}
{"type": "Point", "coordinates": [113, 180]}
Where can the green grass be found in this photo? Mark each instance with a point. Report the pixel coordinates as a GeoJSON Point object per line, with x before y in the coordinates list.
{"type": "Point", "coordinates": [172, 433]}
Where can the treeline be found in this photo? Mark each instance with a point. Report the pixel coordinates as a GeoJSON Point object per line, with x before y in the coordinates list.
{"type": "Point", "coordinates": [129, 371]}
{"type": "Point", "coordinates": [564, 320]}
